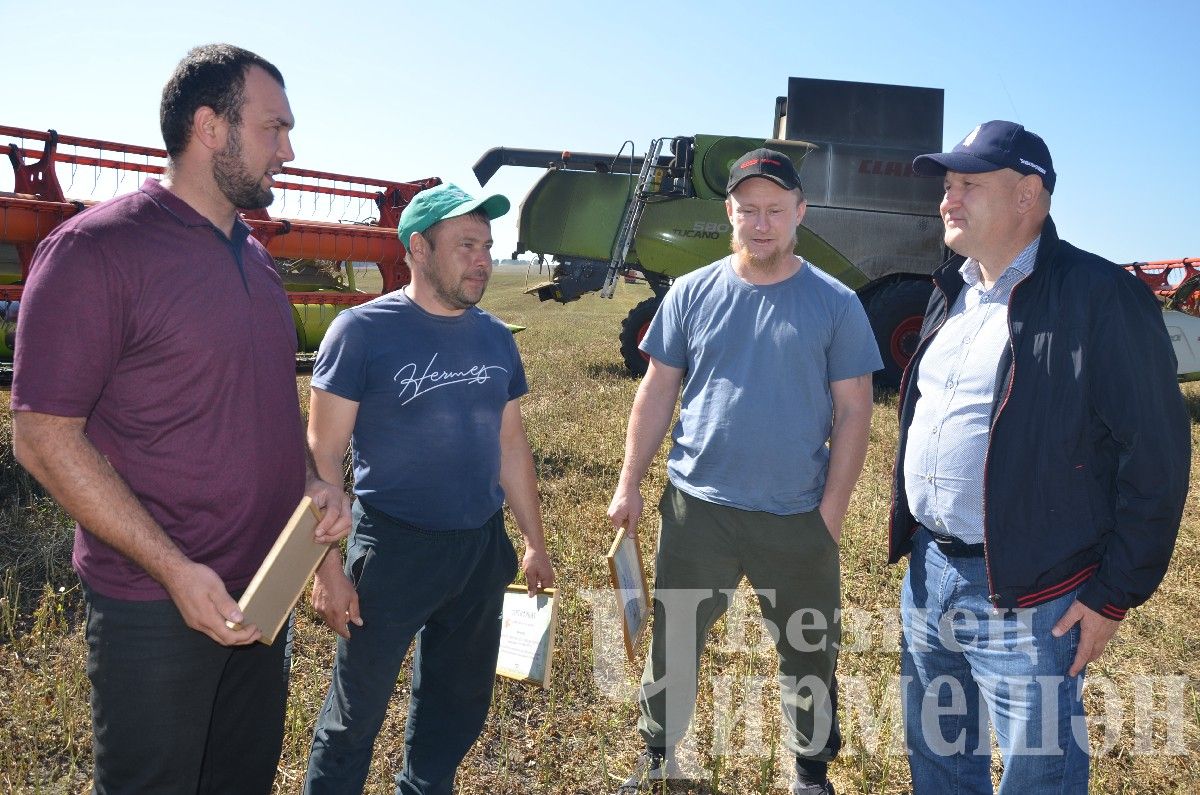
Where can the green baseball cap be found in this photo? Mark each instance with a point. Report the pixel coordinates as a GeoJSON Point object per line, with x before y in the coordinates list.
{"type": "Point", "coordinates": [441, 202]}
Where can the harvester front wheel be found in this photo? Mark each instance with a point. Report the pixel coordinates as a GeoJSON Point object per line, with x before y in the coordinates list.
{"type": "Point", "coordinates": [896, 311]}
{"type": "Point", "coordinates": [633, 328]}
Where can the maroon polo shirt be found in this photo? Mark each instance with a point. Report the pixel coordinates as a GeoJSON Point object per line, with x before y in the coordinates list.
{"type": "Point", "coordinates": [177, 345]}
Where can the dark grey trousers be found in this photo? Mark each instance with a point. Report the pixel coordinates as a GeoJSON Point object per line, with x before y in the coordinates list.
{"type": "Point", "coordinates": [445, 589]}
{"type": "Point", "coordinates": [175, 712]}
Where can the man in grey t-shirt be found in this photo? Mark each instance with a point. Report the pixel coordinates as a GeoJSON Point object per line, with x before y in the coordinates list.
{"type": "Point", "coordinates": [774, 359]}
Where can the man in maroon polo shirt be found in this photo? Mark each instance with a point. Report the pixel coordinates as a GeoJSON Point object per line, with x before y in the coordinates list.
{"type": "Point", "coordinates": [155, 398]}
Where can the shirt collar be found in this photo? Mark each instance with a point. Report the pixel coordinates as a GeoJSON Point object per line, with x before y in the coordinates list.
{"type": "Point", "coordinates": [186, 214]}
{"type": "Point", "coordinates": [1019, 268]}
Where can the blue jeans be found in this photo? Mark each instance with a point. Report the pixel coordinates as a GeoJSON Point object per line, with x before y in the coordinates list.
{"type": "Point", "coordinates": [446, 589]}
{"type": "Point", "coordinates": [964, 662]}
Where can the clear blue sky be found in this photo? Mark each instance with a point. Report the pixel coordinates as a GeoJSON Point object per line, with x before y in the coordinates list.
{"type": "Point", "coordinates": [405, 90]}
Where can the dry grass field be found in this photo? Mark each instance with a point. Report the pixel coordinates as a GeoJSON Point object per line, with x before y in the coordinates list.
{"type": "Point", "coordinates": [578, 736]}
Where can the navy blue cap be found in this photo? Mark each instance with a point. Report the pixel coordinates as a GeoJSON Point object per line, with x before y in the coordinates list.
{"type": "Point", "coordinates": [992, 146]}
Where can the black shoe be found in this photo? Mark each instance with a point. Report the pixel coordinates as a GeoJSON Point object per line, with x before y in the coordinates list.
{"type": "Point", "coordinates": [652, 765]}
{"type": "Point", "coordinates": [811, 789]}
{"type": "Point", "coordinates": [811, 778]}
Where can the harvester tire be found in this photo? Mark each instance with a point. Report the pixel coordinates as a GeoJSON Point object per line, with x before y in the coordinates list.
{"type": "Point", "coordinates": [633, 328]}
{"type": "Point", "coordinates": [896, 311]}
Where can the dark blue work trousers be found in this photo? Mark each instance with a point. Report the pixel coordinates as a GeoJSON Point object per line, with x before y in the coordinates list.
{"type": "Point", "coordinates": [173, 711]}
{"type": "Point", "coordinates": [446, 589]}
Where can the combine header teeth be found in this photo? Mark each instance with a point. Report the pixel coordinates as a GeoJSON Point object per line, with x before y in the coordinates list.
{"type": "Point", "coordinates": [338, 220]}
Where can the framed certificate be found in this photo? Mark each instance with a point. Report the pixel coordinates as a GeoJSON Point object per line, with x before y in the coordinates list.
{"type": "Point", "coordinates": [629, 582]}
{"type": "Point", "coordinates": [527, 634]}
{"type": "Point", "coordinates": [281, 578]}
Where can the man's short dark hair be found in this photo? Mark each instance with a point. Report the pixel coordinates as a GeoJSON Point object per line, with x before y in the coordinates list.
{"type": "Point", "coordinates": [213, 76]}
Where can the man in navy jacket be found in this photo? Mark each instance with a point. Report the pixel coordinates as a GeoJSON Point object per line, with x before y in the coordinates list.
{"type": "Point", "coordinates": [1040, 476]}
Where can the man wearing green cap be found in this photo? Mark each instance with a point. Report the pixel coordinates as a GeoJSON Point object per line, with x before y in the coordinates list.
{"type": "Point", "coordinates": [426, 388]}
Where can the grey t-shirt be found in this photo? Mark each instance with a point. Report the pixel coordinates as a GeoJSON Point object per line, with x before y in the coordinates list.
{"type": "Point", "coordinates": [756, 409]}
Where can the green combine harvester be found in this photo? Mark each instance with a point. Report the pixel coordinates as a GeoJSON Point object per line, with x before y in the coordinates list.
{"type": "Point", "coordinates": [871, 221]}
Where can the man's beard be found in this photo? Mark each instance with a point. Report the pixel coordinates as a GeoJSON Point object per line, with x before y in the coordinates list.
{"type": "Point", "coordinates": [763, 264]}
{"type": "Point", "coordinates": [452, 296]}
{"type": "Point", "coordinates": [242, 189]}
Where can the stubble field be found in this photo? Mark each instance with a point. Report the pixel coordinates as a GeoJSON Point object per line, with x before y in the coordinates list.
{"type": "Point", "coordinates": [579, 735]}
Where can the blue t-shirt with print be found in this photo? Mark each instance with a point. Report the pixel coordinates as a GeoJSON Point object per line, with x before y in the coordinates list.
{"type": "Point", "coordinates": [756, 409]}
{"type": "Point", "coordinates": [431, 392]}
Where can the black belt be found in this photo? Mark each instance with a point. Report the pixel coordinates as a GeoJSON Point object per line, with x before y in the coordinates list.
{"type": "Point", "coordinates": [953, 547]}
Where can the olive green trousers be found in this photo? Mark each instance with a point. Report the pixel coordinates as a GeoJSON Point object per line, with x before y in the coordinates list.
{"type": "Point", "coordinates": [792, 563]}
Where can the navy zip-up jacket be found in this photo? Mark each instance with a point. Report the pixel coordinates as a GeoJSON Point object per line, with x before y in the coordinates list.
{"type": "Point", "coordinates": [1087, 464]}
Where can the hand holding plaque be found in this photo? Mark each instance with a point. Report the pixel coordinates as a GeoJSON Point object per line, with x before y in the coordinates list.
{"type": "Point", "coordinates": [629, 581]}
